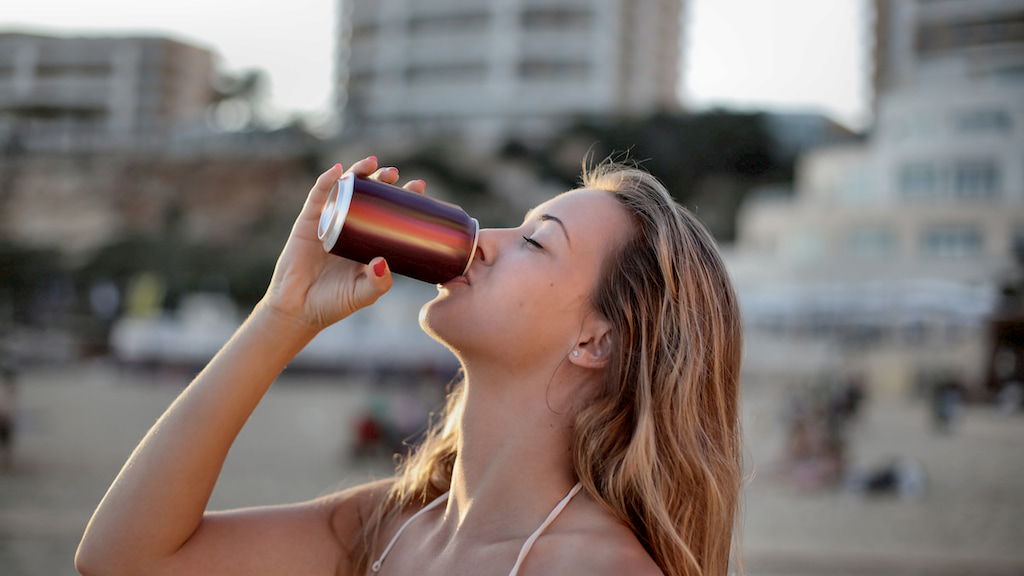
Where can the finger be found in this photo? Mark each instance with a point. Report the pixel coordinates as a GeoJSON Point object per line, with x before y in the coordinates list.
{"type": "Point", "coordinates": [417, 186]}
{"type": "Point", "coordinates": [388, 174]}
{"type": "Point", "coordinates": [374, 283]}
{"type": "Point", "coordinates": [326, 180]}
{"type": "Point", "coordinates": [364, 167]}
{"type": "Point", "coordinates": [322, 187]}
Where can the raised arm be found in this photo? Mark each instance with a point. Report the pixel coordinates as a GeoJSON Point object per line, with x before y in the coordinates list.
{"type": "Point", "coordinates": [152, 519]}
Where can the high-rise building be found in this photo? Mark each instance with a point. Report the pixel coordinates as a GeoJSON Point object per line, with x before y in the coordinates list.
{"type": "Point", "coordinates": [901, 243]}
{"type": "Point", "coordinates": [93, 93]}
{"type": "Point", "coordinates": [936, 43]}
{"type": "Point", "coordinates": [498, 66]}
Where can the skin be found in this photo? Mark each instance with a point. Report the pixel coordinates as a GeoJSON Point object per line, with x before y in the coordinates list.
{"type": "Point", "coordinates": [522, 381]}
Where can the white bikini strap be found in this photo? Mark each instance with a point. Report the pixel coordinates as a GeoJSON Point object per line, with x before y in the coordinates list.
{"type": "Point", "coordinates": [437, 502]}
{"type": "Point", "coordinates": [527, 546]}
{"type": "Point", "coordinates": [536, 533]}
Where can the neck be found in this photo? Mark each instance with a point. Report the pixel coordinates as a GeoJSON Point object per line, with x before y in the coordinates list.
{"type": "Point", "coordinates": [514, 455]}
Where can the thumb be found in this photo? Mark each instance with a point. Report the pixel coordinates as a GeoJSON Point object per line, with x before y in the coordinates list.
{"type": "Point", "coordinates": [374, 283]}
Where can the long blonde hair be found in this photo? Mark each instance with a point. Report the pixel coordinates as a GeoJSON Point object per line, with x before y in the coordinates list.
{"type": "Point", "coordinates": [660, 444]}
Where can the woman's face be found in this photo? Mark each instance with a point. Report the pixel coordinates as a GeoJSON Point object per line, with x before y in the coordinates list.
{"type": "Point", "coordinates": [527, 293]}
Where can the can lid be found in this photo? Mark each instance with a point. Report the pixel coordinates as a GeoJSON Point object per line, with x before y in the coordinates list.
{"type": "Point", "coordinates": [335, 210]}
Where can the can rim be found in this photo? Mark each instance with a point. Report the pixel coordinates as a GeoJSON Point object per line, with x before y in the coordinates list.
{"type": "Point", "coordinates": [335, 211]}
{"type": "Point", "coordinates": [472, 251]}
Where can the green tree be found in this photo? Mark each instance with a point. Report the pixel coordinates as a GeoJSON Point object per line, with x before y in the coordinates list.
{"type": "Point", "coordinates": [708, 161]}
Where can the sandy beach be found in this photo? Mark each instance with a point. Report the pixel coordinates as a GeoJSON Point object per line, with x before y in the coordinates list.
{"type": "Point", "coordinates": [77, 424]}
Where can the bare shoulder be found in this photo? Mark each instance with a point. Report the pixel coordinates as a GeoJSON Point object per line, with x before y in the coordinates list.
{"type": "Point", "coordinates": [588, 540]}
{"type": "Point", "coordinates": [348, 509]}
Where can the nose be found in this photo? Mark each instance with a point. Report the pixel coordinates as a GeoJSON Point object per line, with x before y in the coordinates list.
{"type": "Point", "coordinates": [490, 243]}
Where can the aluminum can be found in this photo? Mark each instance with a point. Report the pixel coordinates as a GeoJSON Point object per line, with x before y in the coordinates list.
{"type": "Point", "coordinates": [420, 237]}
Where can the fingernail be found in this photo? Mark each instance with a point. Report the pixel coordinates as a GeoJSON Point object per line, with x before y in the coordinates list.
{"type": "Point", "coordinates": [380, 268]}
{"type": "Point", "coordinates": [337, 165]}
{"type": "Point", "coordinates": [374, 158]}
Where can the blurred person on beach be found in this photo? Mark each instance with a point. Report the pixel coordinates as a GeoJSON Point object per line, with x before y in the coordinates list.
{"type": "Point", "coordinates": [594, 428]}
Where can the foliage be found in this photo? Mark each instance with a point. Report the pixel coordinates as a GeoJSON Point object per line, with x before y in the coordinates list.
{"type": "Point", "coordinates": [708, 160]}
{"type": "Point", "coordinates": [242, 270]}
{"type": "Point", "coordinates": [24, 273]}
{"type": "Point", "coordinates": [467, 184]}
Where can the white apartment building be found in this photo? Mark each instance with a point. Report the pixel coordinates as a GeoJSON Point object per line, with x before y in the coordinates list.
{"type": "Point", "coordinates": [937, 192]}
{"type": "Point", "coordinates": [95, 93]}
{"type": "Point", "coordinates": [921, 44]}
{"type": "Point", "coordinates": [489, 67]}
{"type": "Point", "coordinates": [899, 244]}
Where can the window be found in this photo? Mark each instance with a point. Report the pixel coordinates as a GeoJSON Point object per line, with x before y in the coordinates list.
{"type": "Point", "coordinates": [918, 180]}
{"type": "Point", "coordinates": [360, 78]}
{"type": "Point", "coordinates": [546, 69]}
{"type": "Point", "coordinates": [1005, 28]}
{"type": "Point", "coordinates": [870, 241]}
{"type": "Point", "coordinates": [446, 23]}
{"type": "Point", "coordinates": [976, 179]}
{"type": "Point", "coordinates": [952, 241]}
{"type": "Point", "coordinates": [978, 121]}
{"type": "Point", "coordinates": [364, 33]}
{"type": "Point", "coordinates": [555, 18]}
{"type": "Point", "coordinates": [80, 70]}
{"type": "Point", "coordinates": [446, 72]}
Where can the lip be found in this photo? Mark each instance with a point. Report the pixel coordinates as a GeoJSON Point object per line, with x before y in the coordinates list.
{"type": "Point", "coordinates": [457, 280]}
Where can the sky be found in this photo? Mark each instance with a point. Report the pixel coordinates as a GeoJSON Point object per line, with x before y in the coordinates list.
{"type": "Point", "coordinates": [744, 54]}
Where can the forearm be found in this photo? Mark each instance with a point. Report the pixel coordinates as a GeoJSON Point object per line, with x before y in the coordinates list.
{"type": "Point", "coordinates": [158, 499]}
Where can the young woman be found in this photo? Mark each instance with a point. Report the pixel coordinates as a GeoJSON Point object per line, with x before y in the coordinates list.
{"type": "Point", "coordinates": [595, 429]}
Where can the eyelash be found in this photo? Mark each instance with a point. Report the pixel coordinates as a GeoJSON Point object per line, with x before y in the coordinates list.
{"type": "Point", "coordinates": [533, 242]}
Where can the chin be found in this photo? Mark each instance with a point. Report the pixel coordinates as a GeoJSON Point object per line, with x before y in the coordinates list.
{"type": "Point", "coordinates": [446, 325]}
{"type": "Point", "coordinates": [432, 322]}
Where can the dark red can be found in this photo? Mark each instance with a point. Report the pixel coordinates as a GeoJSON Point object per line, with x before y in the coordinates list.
{"type": "Point", "coordinates": [420, 237]}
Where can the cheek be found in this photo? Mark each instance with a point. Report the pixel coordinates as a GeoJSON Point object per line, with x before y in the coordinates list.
{"type": "Point", "coordinates": [548, 304]}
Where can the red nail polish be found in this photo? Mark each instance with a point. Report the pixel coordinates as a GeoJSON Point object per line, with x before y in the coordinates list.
{"type": "Point", "coordinates": [380, 268]}
{"type": "Point", "coordinates": [337, 165]}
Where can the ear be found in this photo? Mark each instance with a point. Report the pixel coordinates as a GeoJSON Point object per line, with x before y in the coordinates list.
{"type": "Point", "coordinates": [593, 350]}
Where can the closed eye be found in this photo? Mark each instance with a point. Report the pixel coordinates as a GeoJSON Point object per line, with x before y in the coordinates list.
{"type": "Point", "coordinates": [533, 242]}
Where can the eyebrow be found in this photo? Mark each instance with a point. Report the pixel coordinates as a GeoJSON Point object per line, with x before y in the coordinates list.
{"type": "Point", "coordinates": [546, 217]}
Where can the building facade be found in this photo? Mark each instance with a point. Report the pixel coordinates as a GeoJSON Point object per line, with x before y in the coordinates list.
{"type": "Point", "coordinates": [84, 93]}
{"type": "Point", "coordinates": [901, 243]}
{"type": "Point", "coordinates": [936, 43]}
{"type": "Point", "coordinates": [938, 190]}
{"type": "Point", "coordinates": [499, 66]}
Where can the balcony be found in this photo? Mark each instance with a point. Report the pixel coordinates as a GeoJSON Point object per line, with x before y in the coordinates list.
{"type": "Point", "coordinates": [72, 93]}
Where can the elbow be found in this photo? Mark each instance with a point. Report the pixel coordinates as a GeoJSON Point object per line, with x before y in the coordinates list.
{"type": "Point", "coordinates": [86, 562]}
{"type": "Point", "coordinates": [84, 565]}
{"type": "Point", "coordinates": [91, 561]}
{"type": "Point", "coordinates": [96, 557]}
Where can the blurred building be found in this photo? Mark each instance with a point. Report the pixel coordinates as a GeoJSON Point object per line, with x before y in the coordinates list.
{"type": "Point", "coordinates": [488, 68]}
{"type": "Point", "coordinates": [106, 136]}
{"type": "Point", "coordinates": [85, 93]}
{"type": "Point", "coordinates": [899, 244]}
{"type": "Point", "coordinates": [921, 44]}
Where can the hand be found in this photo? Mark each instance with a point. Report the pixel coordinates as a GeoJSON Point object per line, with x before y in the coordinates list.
{"type": "Point", "coordinates": [315, 288]}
